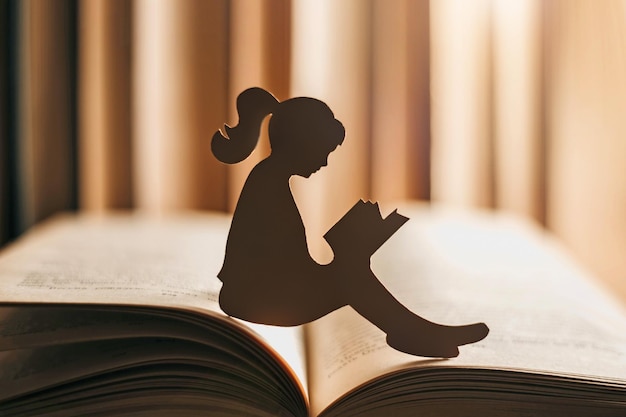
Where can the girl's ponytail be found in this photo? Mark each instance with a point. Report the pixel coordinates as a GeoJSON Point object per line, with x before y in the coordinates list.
{"type": "Point", "coordinates": [252, 106]}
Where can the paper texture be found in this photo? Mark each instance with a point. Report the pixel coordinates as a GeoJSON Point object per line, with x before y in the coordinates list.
{"type": "Point", "coordinates": [544, 314]}
{"type": "Point", "coordinates": [131, 260]}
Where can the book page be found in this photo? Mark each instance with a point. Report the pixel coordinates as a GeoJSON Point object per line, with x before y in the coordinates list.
{"type": "Point", "coordinates": [121, 259]}
{"type": "Point", "coordinates": [126, 259]}
{"type": "Point", "coordinates": [545, 315]}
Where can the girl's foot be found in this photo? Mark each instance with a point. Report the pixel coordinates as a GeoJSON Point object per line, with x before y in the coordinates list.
{"type": "Point", "coordinates": [437, 341]}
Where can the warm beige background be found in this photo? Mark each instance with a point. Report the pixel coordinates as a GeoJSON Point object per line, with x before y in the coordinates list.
{"type": "Point", "coordinates": [515, 105]}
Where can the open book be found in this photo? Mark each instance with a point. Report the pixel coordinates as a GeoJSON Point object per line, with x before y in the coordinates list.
{"type": "Point", "coordinates": [118, 316]}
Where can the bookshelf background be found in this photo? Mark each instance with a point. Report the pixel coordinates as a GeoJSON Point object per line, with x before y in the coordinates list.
{"type": "Point", "coordinates": [512, 105]}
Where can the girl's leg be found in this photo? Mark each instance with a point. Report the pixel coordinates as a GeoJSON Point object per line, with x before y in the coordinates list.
{"type": "Point", "coordinates": [283, 302]}
{"type": "Point", "coordinates": [406, 331]}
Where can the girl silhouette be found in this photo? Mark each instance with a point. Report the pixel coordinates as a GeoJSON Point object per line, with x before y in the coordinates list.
{"type": "Point", "coordinates": [268, 274]}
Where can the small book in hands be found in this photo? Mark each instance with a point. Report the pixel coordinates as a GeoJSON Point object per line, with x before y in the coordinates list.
{"type": "Point", "coordinates": [362, 230]}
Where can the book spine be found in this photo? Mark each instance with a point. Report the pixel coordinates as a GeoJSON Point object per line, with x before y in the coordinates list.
{"type": "Point", "coordinates": [46, 107]}
{"type": "Point", "coordinates": [105, 105]}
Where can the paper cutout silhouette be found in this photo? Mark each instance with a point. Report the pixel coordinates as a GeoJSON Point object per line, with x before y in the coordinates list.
{"type": "Point", "coordinates": [268, 274]}
{"type": "Point", "coordinates": [362, 230]}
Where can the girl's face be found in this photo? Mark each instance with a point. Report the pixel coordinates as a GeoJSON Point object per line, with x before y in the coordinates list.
{"type": "Point", "coordinates": [312, 160]}
{"type": "Point", "coordinates": [303, 134]}
{"type": "Point", "coordinates": [314, 144]}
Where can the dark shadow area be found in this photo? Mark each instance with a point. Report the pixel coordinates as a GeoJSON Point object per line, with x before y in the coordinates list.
{"type": "Point", "coordinates": [8, 118]}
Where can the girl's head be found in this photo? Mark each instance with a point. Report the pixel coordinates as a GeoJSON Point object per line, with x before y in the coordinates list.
{"type": "Point", "coordinates": [302, 131]}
